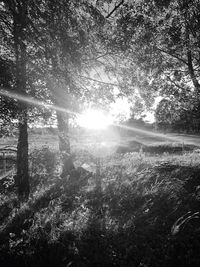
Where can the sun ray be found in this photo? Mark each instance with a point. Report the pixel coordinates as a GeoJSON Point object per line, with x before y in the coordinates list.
{"type": "Point", "coordinates": [92, 119]}
{"type": "Point", "coordinates": [36, 102]}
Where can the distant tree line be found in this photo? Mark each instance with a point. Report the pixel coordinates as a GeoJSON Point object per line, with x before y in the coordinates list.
{"type": "Point", "coordinates": [170, 116]}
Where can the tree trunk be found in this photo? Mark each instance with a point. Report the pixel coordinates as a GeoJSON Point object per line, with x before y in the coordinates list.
{"type": "Point", "coordinates": [64, 143]}
{"type": "Point", "coordinates": [190, 57]}
{"type": "Point", "coordinates": [19, 13]}
{"type": "Point", "coordinates": [22, 158]}
{"type": "Point", "coordinates": [60, 99]}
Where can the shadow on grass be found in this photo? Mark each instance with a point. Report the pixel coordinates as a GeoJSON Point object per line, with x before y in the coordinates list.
{"type": "Point", "coordinates": [127, 223]}
{"type": "Point", "coordinates": [168, 148]}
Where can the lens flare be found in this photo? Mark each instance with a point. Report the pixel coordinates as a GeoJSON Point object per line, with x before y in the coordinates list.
{"type": "Point", "coordinates": [94, 119]}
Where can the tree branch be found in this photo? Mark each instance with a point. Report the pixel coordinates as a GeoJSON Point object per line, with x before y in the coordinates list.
{"type": "Point", "coordinates": [114, 9]}
{"type": "Point", "coordinates": [172, 55]}
{"type": "Point", "coordinates": [177, 85]}
{"type": "Point", "coordinates": [190, 59]}
{"type": "Point", "coordinates": [94, 80]}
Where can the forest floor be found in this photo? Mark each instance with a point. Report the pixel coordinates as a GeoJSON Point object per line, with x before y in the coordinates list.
{"type": "Point", "coordinates": [145, 213]}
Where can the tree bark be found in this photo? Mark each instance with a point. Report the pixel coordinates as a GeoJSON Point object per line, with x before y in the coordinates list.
{"type": "Point", "coordinates": [60, 100]}
{"type": "Point", "coordinates": [189, 57]}
{"type": "Point", "coordinates": [19, 13]}
{"type": "Point", "coordinates": [22, 158]}
{"type": "Point", "coordinates": [191, 72]}
{"type": "Point", "coordinates": [64, 143]}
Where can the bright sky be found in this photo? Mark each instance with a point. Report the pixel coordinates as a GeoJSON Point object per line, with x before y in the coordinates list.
{"type": "Point", "coordinates": [121, 107]}
{"type": "Point", "coordinates": [98, 119]}
{"type": "Point", "coordinates": [150, 117]}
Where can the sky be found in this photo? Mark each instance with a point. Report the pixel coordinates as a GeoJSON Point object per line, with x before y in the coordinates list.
{"type": "Point", "coordinates": [121, 108]}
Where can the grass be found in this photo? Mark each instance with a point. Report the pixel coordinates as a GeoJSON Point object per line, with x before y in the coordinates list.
{"type": "Point", "coordinates": [146, 213]}
{"type": "Point", "coordinates": [35, 141]}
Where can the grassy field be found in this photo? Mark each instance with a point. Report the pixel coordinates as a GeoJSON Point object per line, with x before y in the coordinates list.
{"type": "Point", "coordinates": [112, 139]}
{"type": "Point", "coordinates": [146, 212]}
{"type": "Point", "coordinates": [35, 141]}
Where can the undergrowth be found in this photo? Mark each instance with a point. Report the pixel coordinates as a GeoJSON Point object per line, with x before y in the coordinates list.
{"type": "Point", "coordinates": [146, 214]}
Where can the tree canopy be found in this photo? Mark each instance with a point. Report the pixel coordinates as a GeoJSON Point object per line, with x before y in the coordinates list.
{"type": "Point", "coordinates": [161, 40]}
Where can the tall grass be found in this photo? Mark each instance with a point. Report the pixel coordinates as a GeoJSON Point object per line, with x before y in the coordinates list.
{"type": "Point", "coordinates": [129, 222]}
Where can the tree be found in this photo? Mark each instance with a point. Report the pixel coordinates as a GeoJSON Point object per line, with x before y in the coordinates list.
{"type": "Point", "coordinates": [171, 114]}
{"type": "Point", "coordinates": [55, 46]}
{"type": "Point", "coordinates": [161, 40]}
{"type": "Point", "coordinates": [167, 113]}
{"type": "Point", "coordinates": [8, 106]}
{"type": "Point", "coordinates": [69, 44]}
{"type": "Point", "coordinates": [14, 25]}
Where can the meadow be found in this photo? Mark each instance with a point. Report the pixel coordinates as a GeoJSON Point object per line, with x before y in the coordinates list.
{"type": "Point", "coordinates": [144, 213]}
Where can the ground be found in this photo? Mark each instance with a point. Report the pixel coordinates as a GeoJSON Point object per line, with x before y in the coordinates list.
{"type": "Point", "coordinates": [145, 213]}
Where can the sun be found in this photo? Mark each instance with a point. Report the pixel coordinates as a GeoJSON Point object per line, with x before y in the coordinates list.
{"type": "Point", "coordinates": [94, 119]}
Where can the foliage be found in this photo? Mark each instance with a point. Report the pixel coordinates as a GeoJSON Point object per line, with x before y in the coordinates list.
{"type": "Point", "coordinates": [174, 116]}
{"type": "Point", "coordinates": [8, 107]}
{"type": "Point", "coordinates": [160, 42]}
{"type": "Point", "coordinates": [49, 50]}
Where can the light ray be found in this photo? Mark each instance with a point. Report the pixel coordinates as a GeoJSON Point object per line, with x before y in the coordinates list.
{"type": "Point", "coordinates": [159, 135]}
{"type": "Point", "coordinates": [36, 102]}
{"type": "Point", "coordinates": [138, 130]}
{"type": "Point", "coordinates": [31, 100]}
